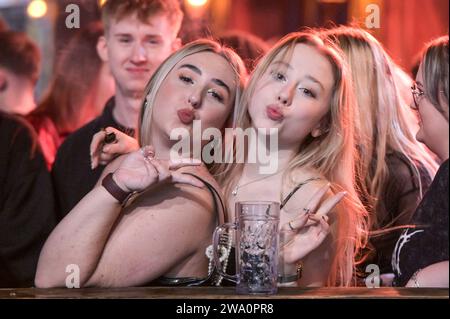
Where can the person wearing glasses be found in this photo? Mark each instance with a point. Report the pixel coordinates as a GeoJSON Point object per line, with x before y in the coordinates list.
{"type": "Point", "coordinates": [420, 257]}
{"type": "Point", "coordinates": [394, 169]}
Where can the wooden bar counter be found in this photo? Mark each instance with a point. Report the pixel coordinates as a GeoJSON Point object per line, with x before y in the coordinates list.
{"type": "Point", "coordinates": [224, 293]}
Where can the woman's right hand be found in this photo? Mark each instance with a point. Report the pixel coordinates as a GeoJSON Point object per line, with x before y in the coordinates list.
{"type": "Point", "coordinates": [140, 170]}
{"type": "Point", "coordinates": [103, 153]}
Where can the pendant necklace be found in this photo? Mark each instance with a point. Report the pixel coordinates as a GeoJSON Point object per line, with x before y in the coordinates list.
{"type": "Point", "coordinates": [236, 189]}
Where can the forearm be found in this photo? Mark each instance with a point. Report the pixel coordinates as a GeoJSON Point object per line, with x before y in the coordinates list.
{"type": "Point", "coordinates": [435, 275]}
{"type": "Point", "coordinates": [78, 239]}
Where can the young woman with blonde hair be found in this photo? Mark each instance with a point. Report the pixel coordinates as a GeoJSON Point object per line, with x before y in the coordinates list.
{"type": "Point", "coordinates": [161, 233]}
{"type": "Point", "coordinates": [394, 169]}
{"type": "Point", "coordinates": [302, 88]}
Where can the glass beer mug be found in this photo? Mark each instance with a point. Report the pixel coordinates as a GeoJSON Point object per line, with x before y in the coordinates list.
{"type": "Point", "coordinates": [256, 245]}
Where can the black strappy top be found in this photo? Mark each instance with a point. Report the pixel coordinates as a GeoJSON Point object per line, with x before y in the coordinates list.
{"type": "Point", "coordinates": [296, 188]}
{"type": "Point", "coordinates": [193, 281]}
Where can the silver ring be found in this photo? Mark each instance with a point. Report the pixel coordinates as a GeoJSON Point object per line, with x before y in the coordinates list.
{"type": "Point", "coordinates": [307, 210]}
{"type": "Point", "coordinates": [147, 155]}
{"type": "Point", "coordinates": [290, 226]}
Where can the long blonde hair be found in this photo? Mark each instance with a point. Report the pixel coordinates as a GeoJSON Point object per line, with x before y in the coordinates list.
{"type": "Point", "coordinates": [384, 121]}
{"type": "Point", "coordinates": [203, 45]}
{"type": "Point", "coordinates": [332, 154]}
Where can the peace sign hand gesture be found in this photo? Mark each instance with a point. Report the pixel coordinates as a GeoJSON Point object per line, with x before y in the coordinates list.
{"type": "Point", "coordinates": [306, 232]}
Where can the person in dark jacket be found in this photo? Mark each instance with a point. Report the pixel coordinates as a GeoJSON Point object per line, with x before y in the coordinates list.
{"type": "Point", "coordinates": [420, 257]}
{"type": "Point", "coordinates": [27, 211]}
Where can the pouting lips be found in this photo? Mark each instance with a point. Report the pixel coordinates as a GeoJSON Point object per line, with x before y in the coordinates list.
{"type": "Point", "coordinates": [186, 116]}
{"type": "Point", "coordinates": [274, 113]}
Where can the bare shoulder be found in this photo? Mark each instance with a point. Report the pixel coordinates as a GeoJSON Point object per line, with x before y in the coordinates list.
{"type": "Point", "coordinates": [180, 199]}
{"type": "Point", "coordinates": [302, 185]}
{"type": "Point", "coordinates": [200, 196]}
{"type": "Point", "coordinates": [308, 176]}
{"type": "Point", "coordinates": [202, 172]}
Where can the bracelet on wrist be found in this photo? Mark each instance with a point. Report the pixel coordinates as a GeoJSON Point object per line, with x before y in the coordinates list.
{"type": "Point", "coordinates": [292, 277]}
{"type": "Point", "coordinates": [118, 193]}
